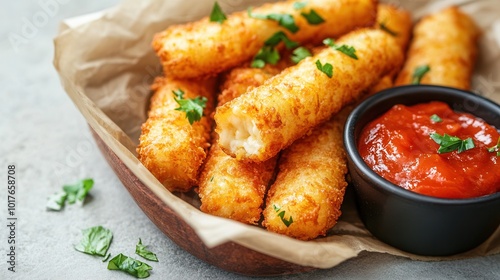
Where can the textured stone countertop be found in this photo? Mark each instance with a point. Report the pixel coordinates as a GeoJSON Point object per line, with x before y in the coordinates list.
{"type": "Point", "coordinates": [48, 141]}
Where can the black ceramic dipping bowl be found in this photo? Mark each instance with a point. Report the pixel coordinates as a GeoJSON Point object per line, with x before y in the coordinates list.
{"type": "Point", "coordinates": [409, 221]}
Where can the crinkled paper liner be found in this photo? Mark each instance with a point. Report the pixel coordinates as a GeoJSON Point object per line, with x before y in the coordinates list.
{"type": "Point", "coordinates": [106, 65]}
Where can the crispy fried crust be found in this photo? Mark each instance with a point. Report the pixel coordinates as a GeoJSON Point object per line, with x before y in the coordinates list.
{"type": "Point", "coordinates": [171, 148]}
{"type": "Point", "coordinates": [206, 48]}
{"type": "Point", "coordinates": [310, 184]}
{"type": "Point", "coordinates": [257, 125]}
{"type": "Point", "coordinates": [447, 42]}
{"type": "Point", "coordinates": [230, 188]}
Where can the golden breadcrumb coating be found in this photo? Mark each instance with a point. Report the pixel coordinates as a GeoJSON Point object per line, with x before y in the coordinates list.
{"type": "Point", "coordinates": [310, 184]}
{"type": "Point", "coordinates": [206, 48]}
{"type": "Point", "coordinates": [169, 146]}
{"type": "Point", "coordinates": [230, 188]}
{"type": "Point", "coordinates": [447, 42]}
{"type": "Point", "coordinates": [260, 123]}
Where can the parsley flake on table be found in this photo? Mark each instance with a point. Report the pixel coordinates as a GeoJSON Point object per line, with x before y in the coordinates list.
{"type": "Point", "coordinates": [327, 68]}
{"type": "Point", "coordinates": [285, 20]}
{"type": "Point", "coordinates": [347, 50]}
{"type": "Point", "coordinates": [435, 118]}
{"type": "Point", "coordinates": [419, 73]}
{"type": "Point", "coordinates": [495, 148]}
{"type": "Point", "coordinates": [451, 143]}
{"type": "Point", "coordinates": [281, 214]}
{"type": "Point", "coordinates": [145, 253]}
{"type": "Point", "coordinates": [70, 194]}
{"type": "Point", "coordinates": [217, 15]}
{"type": "Point", "coordinates": [192, 106]}
{"type": "Point", "coordinates": [129, 265]}
{"type": "Point", "coordinates": [95, 241]}
{"type": "Point", "coordinates": [299, 54]}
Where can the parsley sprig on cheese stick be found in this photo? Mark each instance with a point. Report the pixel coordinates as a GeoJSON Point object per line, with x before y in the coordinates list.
{"type": "Point", "coordinates": [310, 185]}
{"type": "Point", "coordinates": [173, 140]}
{"type": "Point", "coordinates": [445, 43]}
{"type": "Point", "coordinates": [209, 47]}
{"type": "Point", "coordinates": [260, 123]}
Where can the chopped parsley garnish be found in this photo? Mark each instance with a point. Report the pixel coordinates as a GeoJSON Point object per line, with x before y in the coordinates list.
{"type": "Point", "coordinates": [386, 29]}
{"type": "Point", "coordinates": [347, 50]}
{"type": "Point", "coordinates": [436, 119]}
{"type": "Point", "coordinates": [129, 265]}
{"type": "Point", "coordinates": [193, 107]}
{"type": "Point", "coordinates": [299, 5]}
{"type": "Point", "coordinates": [419, 73]}
{"type": "Point", "coordinates": [327, 68]}
{"type": "Point", "coordinates": [299, 54]}
{"type": "Point", "coordinates": [451, 143]}
{"type": "Point", "coordinates": [312, 17]}
{"type": "Point", "coordinates": [95, 241]}
{"type": "Point", "coordinates": [217, 15]}
{"type": "Point", "coordinates": [285, 20]}
{"type": "Point", "coordinates": [495, 148]}
{"type": "Point", "coordinates": [70, 194]}
{"type": "Point", "coordinates": [281, 214]}
{"type": "Point", "coordinates": [268, 53]}
{"type": "Point", "coordinates": [278, 37]}
{"type": "Point", "coordinates": [145, 253]}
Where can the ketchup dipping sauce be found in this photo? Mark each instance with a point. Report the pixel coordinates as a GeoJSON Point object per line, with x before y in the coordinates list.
{"type": "Point", "coordinates": [402, 147]}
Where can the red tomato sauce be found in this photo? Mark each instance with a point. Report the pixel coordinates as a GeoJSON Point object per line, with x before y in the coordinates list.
{"type": "Point", "coordinates": [398, 147]}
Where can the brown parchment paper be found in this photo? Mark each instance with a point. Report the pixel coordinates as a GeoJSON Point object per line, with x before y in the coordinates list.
{"type": "Point", "coordinates": [106, 66]}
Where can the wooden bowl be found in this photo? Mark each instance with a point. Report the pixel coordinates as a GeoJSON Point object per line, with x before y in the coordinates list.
{"type": "Point", "coordinates": [229, 256]}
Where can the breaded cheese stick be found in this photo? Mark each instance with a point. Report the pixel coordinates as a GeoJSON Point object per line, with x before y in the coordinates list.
{"type": "Point", "coordinates": [446, 42]}
{"type": "Point", "coordinates": [304, 201]}
{"type": "Point", "coordinates": [206, 48]}
{"type": "Point", "coordinates": [230, 188]}
{"type": "Point", "coordinates": [169, 146]}
{"type": "Point", "coordinates": [397, 22]}
{"type": "Point", "coordinates": [260, 123]}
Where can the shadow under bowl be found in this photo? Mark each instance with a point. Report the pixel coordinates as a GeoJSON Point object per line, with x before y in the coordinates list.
{"type": "Point", "coordinates": [409, 221]}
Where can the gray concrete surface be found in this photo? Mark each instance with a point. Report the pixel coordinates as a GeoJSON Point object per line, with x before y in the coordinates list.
{"type": "Point", "coordinates": [48, 141]}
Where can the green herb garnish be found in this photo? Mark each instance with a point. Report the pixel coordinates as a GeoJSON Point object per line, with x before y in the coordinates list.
{"type": "Point", "coordinates": [435, 118]}
{"type": "Point", "coordinates": [299, 54]}
{"type": "Point", "coordinates": [193, 106]}
{"type": "Point", "coordinates": [347, 50]}
{"type": "Point", "coordinates": [327, 68]}
{"type": "Point", "coordinates": [419, 73]}
{"type": "Point", "coordinates": [285, 20]}
{"type": "Point", "coordinates": [386, 29]}
{"type": "Point", "coordinates": [145, 253]}
{"type": "Point", "coordinates": [281, 214]}
{"type": "Point", "coordinates": [451, 143]}
{"type": "Point", "coordinates": [299, 5]}
{"type": "Point", "coordinates": [495, 148]}
{"type": "Point", "coordinates": [129, 265]}
{"type": "Point", "coordinates": [56, 201]}
{"type": "Point", "coordinates": [217, 15]}
{"type": "Point", "coordinates": [71, 194]}
{"type": "Point", "coordinates": [95, 241]}
{"type": "Point", "coordinates": [312, 17]}
{"type": "Point", "coordinates": [268, 53]}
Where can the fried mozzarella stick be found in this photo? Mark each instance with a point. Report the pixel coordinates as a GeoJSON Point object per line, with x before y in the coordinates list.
{"type": "Point", "coordinates": [263, 121]}
{"type": "Point", "coordinates": [206, 48]}
{"type": "Point", "coordinates": [169, 146]}
{"type": "Point", "coordinates": [304, 201]}
{"type": "Point", "coordinates": [398, 23]}
{"type": "Point", "coordinates": [230, 188]}
{"type": "Point", "coordinates": [446, 42]}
